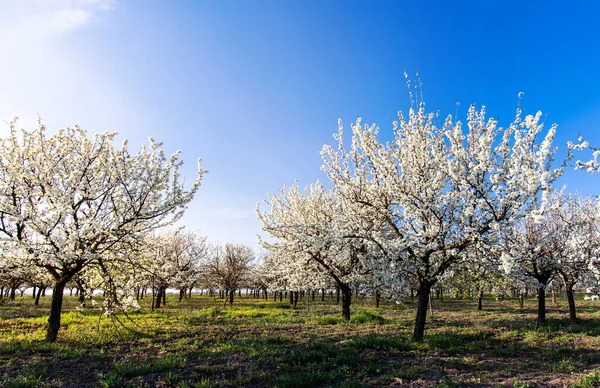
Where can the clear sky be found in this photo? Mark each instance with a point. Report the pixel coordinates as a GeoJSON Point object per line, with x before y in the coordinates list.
{"type": "Point", "coordinates": [255, 88]}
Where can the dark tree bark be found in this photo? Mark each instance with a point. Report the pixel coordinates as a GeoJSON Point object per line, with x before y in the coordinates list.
{"type": "Point", "coordinates": [337, 293]}
{"type": "Point", "coordinates": [164, 295]}
{"type": "Point", "coordinates": [55, 310]}
{"type": "Point", "coordinates": [181, 292]}
{"type": "Point", "coordinates": [423, 295]}
{"type": "Point", "coordinates": [480, 300]}
{"type": "Point", "coordinates": [37, 297]}
{"type": "Point", "coordinates": [322, 295]}
{"type": "Point", "coordinates": [377, 299]}
{"type": "Point", "coordinates": [231, 296]}
{"type": "Point", "coordinates": [13, 293]}
{"type": "Point", "coordinates": [571, 299]}
{"type": "Point", "coordinates": [541, 306]}
{"type": "Point", "coordinates": [346, 301]}
{"type": "Point", "coordinates": [296, 294]}
{"type": "Point", "coordinates": [158, 297]}
{"type": "Point", "coordinates": [34, 291]}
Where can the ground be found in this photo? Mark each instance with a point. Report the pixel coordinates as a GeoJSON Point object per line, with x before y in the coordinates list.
{"type": "Point", "coordinates": [258, 343]}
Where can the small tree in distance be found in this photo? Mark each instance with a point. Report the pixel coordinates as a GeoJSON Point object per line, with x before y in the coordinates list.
{"type": "Point", "coordinates": [229, 267]}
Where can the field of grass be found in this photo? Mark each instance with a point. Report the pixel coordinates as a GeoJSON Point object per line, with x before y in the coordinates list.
{"type": "Point", "coordinates": [258, 343]}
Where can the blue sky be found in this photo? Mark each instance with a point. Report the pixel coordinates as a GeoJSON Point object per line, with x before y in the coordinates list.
{"type": "Point", "coordinates": [255, 88]}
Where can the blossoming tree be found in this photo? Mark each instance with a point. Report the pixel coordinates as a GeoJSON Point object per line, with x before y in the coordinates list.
{"type": "Point", "coordinates": [436, 190]}
{"type": "Point", "coordinates": [68, 201]}
{"type": "Point", "coordinates": [311, 239]}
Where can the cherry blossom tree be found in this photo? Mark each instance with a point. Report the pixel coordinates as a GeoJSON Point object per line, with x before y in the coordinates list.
{"type": "Point", "coordinates": [312, 238]}
{"type": "Point", "coordinates": [579, 217]}
{"type": "Point", "coordinates": [533, 247]}
{"type": "Point", "coordinates": [68, 201]}
{"type": "Point", "coordinates": [433, 191]}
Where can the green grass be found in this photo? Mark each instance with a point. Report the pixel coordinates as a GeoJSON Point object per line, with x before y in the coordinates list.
{"type": "Point", "coordinates": [203, 342]}
{"type": "Point", "coordinates": [329, 320]}
{"type": "Point", "coordinates": [591, 379]}
{"type": "Point", "coordinates": [367, 317]}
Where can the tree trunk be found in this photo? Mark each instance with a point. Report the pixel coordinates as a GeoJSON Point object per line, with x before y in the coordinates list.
{"type": "Point", "coordinates": [346, 300]}
{"type": "Point", "coordinates": [296, 294]}
{"type": "Point", "coordinates": [158, 297]}
{"type": "Point", "coordinates": [55, 310]}
{"type": "Point", "coordinates": [313, 295]}
{"type": "Point", "coordinates": [322, 295]}
{"type": "Point", "coordinates": [81, 295]}
{"type": "Point", "coordinates": [34, 290]}
{"type": "Point", "coordinates": [231, 295]}
{"type": "Point", "coordinates": [153, 301]}
{"type": "Point", "coordinates": [541, 306]}
{"type": "Point", "coordinates": [423, 294]}
{"type": "Point", "coordinates": [291, 298]}
{"type": "Point", "coordinates": [181, 292]}
{"type": "Point", "coordinates": [13, 294]}
{"type": "Point", "coordinates": [521, 300]}
{"type": "Point", "coordinates": [337, 294]}
{"type": "Point", "coordinates": [164, 295]}
{"type": "Point", "coordinates": [571, 299]}
{"type": "Point", "coordinates": [377, 299]}
{"type": "Point", "coordinates": [190, 293]}
{"type": "Point", "coordinates": [480, 300]}
{"type": "Point", "coordinates": [37, 297]}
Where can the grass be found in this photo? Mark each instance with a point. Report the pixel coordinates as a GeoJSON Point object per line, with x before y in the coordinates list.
{"type": "Point", "coordinates": [202, 343]}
